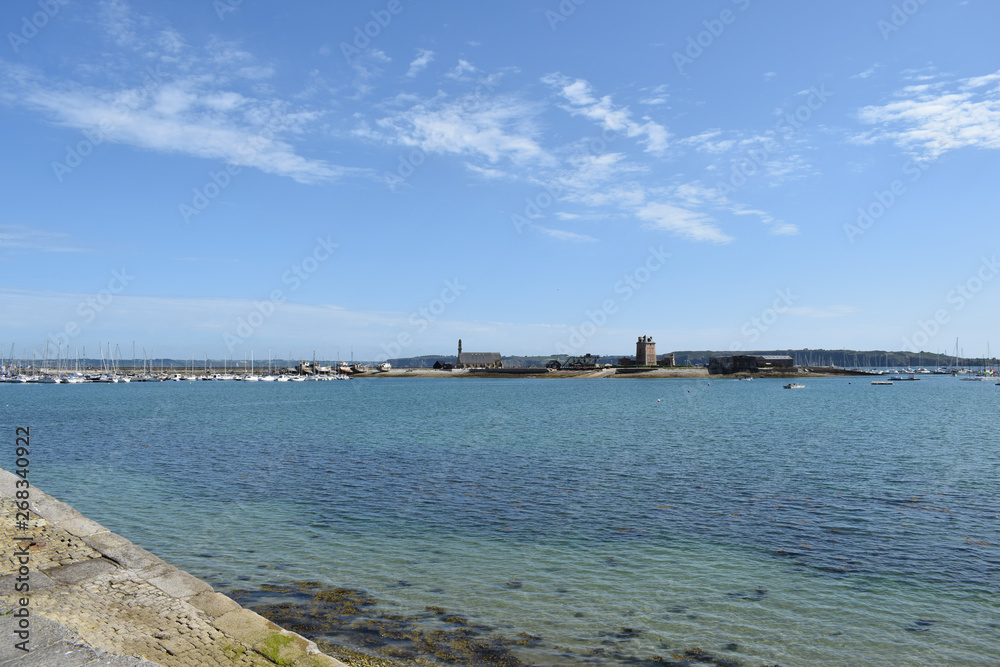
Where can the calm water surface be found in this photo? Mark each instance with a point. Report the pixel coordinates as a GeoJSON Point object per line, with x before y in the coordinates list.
{"type": "Point", "coordinates": [840, 524]}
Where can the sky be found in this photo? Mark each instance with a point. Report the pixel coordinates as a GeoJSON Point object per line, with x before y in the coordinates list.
{"type": "Point", "coordinates": [377, 179]}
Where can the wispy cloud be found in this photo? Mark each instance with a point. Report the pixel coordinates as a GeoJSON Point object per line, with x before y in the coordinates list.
{"type": "Point", "coordinates": [417, 65]}
{"type": "Point", "coordinates": [495, 128]}
{"type": "Point", "coordinates": [931, 119]}
{"type": "Point", "coordinates": [582, 102]}
{"type": "Point", "coordinates": [25, 238]}
{"type": "Point", "coordinates": [868, 72]}
{"type": "Point", "coordinates": [565, 236]}
{"type": "Point", "coordinates": [683, 222]}
{"type": "Point", "coordinates": [462, 70]}
{"type": "Point", "coordinates": [192, 106]}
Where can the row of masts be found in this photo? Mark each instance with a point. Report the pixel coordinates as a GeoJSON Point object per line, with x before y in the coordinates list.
{"type": "Point", "coordinates": [112, 365]}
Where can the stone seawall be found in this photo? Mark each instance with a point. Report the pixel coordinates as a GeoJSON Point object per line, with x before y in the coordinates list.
{"type": "Point", "coordinates": [97, 599]}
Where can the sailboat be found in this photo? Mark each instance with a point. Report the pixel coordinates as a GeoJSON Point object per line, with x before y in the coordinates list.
{"type": "Point", "coordinates": [270, 376]}
{"type": "Point", "coordinates": [251, 377]}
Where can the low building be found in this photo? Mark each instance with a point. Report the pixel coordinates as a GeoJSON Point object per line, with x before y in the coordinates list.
{"type": "Point", "coordinates": [748, 363]}
{"type": "Point", "coordinates": [584, 363]}
{"type": "Point", "coordinates": [477, 359]}
{"type": "Point", "coordinates": [667, 360]}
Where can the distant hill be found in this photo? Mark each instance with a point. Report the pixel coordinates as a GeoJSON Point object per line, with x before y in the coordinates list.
{"type": "Point", "coordinates": [803, 357]}
{"type": "Point", "coordinates": [839, 358]}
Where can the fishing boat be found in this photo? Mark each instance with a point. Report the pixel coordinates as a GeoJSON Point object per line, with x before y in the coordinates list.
{"type": "Point", "coordinates": [794, 385]}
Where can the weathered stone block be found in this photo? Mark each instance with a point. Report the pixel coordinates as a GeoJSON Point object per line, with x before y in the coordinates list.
{"type": "Point", "coordinates": [246, 626]}
{"type": "Point", "coordinates": [213, 604]}
{"type": "Point", "coordinates": [76, 573]}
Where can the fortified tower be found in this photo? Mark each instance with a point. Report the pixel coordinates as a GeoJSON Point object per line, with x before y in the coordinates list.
{"type": "Point", "coordinates": [645, 351]}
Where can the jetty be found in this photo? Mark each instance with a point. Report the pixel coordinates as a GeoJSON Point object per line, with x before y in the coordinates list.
{"type": "Point", "coordinates": [74, 593]}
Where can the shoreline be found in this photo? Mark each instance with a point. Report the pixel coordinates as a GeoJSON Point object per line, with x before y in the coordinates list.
{"type": "Point", "coordinates": [97, 599]}
{"type": "Point", "coordinates": [684, 373]}
{"type": "Point", "coordinates": [94, 597]}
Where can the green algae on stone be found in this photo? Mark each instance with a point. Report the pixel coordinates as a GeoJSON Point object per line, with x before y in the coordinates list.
{"type": "Point", "coordinates": [271, 649]}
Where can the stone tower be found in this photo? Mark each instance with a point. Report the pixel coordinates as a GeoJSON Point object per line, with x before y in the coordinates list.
{"type": "Point", "coordinates": [645, 351]}
{"type": "Point", "coordinates": [458, 362]}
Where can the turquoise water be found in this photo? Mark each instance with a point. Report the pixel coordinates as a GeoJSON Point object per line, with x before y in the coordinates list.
{"type": "Point", "coordinates": [839, 524]}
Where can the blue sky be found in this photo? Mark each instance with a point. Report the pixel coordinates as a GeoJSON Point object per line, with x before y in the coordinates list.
{"type": "Point", "coordinates": [532, 177]}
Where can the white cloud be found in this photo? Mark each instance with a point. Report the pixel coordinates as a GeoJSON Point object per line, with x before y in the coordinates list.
{"type": "Point", "coordinates": [867, 73]}
{"type": "Point", "coordinates": [603, 111]}
{"type": "Point", "coordinates": [423, 59]}
{"type": "Point", "coordinates": [682, 222]}
{"type": "Point", "coordinates": [709, 142]}
{"type": "Point", "coordinates": [565, 236]}
{"type": "Point", "coordinates": [190, 115]}
{"type": "Point", "coordinates": [658, 95]}
{"type": "Point", "coordinates": [774, 226]}
{"type": "Point", "coordinates": [933, 119]}
{"type": "Point", "coordinates": [116, 18]}
{"type": "Point", "coordinates": [494, 128]}
{"type": "Point", "coordinates": [463, 68]}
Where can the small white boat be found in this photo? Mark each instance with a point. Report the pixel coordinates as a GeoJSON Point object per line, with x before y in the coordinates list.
{"type": "Point", "coordinates": [881, 381]}
{"type": "Point", "coordinates": [794, 385]}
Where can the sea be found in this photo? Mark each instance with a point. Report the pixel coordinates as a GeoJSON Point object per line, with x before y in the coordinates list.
{"type": "Point", "coordinates": [559, 521]}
